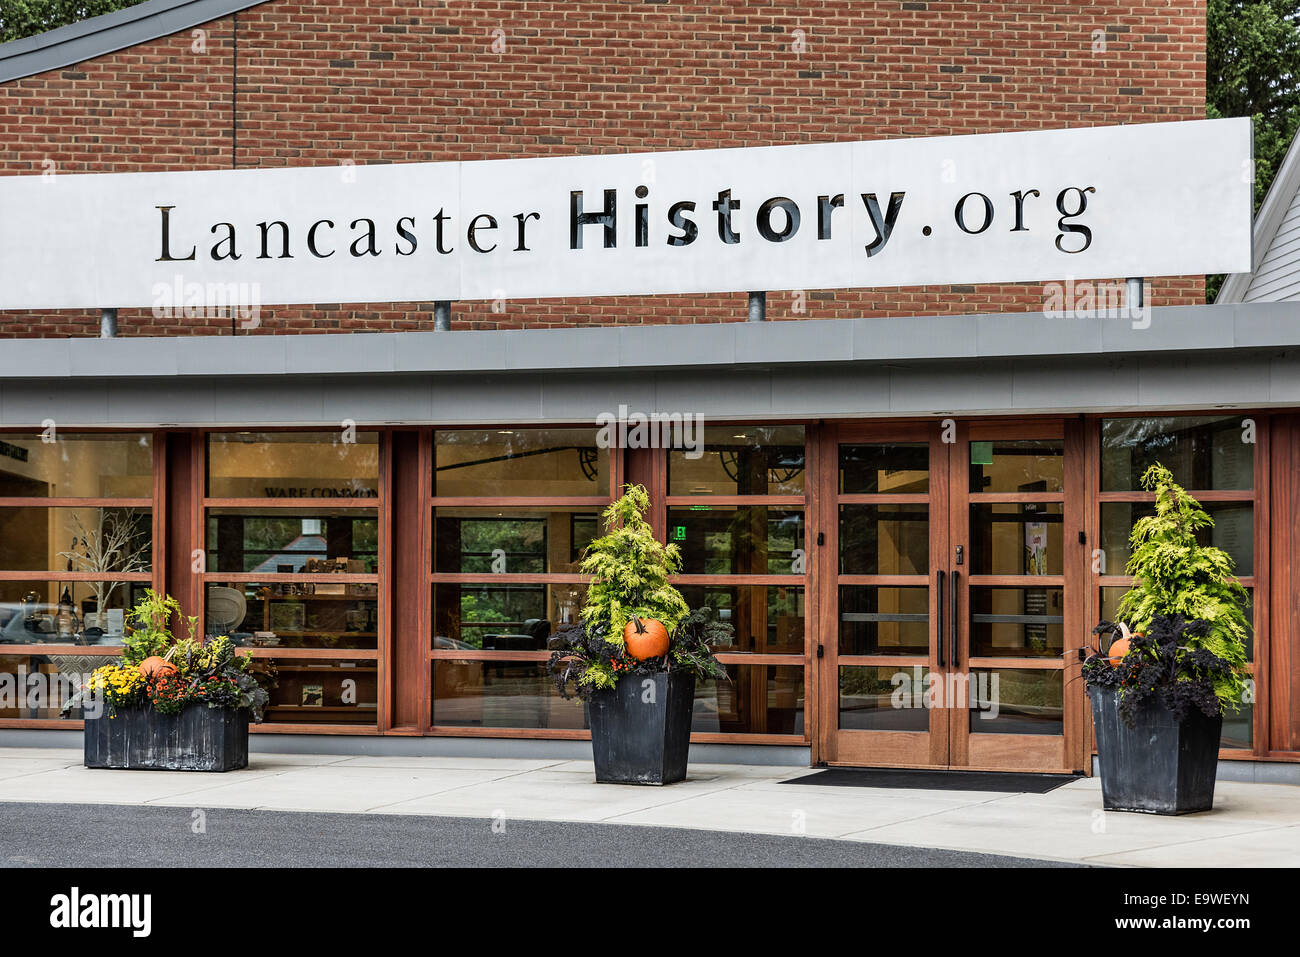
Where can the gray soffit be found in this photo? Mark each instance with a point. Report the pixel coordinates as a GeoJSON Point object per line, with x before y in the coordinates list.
{"type": "Point", "coordinates": [88, 39]}
{"type": "Point", "coordinates": [1240, 356]}
{"type": "Point", "coordinates": [669, 348]}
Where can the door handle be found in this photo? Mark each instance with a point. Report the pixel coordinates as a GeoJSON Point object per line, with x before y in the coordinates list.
{"type": "Point", "coordinates": [940, 632]}
{"type": "Point", "coordinates": [952, 625]}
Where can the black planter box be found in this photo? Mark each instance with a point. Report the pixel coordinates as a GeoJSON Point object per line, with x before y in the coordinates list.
{"type": "Point", "coordinates": [640, 741]}
{"type": "Point", "coordinates": [140, 739]}
{"type": "Point", "coordinates": [1158, 766]}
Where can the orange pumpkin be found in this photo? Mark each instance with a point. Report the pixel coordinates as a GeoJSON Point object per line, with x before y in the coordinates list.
{"type": "Point", "coordinates": [645, 638]}
{"type": "Point", "coordinates": [155, 667]}
{"type": "Point", "coordinates": [1118, 649]}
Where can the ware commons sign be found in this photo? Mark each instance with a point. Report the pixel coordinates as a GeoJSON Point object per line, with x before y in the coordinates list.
{"type": "Point", "coordinates": [1105, 202]}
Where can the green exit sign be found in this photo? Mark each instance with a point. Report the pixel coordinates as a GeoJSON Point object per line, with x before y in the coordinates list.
{"type": "Point", "coordinates": [679, 533]}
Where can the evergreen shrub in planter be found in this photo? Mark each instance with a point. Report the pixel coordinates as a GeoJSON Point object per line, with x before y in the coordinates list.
{"type": "Point", "coordinates": [639, 705]}
{"type": "Point", "coordinates": [1159, 692]}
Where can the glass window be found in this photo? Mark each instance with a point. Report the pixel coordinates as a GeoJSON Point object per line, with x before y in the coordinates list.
{"type": "Point", "coordinates": [491, 463]}
{"type": "Point", "coordinates": [877, 620]}
{"type": "Point", "coordinates": [741, 460]}
{"type": "Point", "coordinates": [766, 619]}
{"type": "Point", "coordinates": [293, 465]}
{"type": "Point", "coordinates": [85, 539]}
{"type": "Point", "coordinates": [501, 694]}
{"type": "Point", "coordinates": [294, 614]}
{"type": "Point", "coordinates": [36, 686]}
{"type": "Point", "coordinates": [77, 465]}
{"type": "Point", "coordinates": [758, 699]}
{"type": "Point", "coordinates": [1202, 452]}
{"type": "Point", "coordinates": [72, 613]}
{"type": "Point", "coordinates": [325, 691]}
{"type": "Point", "coordinates": [1233, 531]}
{"type": "Point", "coordinates": [1017, 622]}
{"type": "Point", "coordinates": [902, 467]}
{"type": "Point", "coordinates": [884, 539]}
{"type": "Point", "coordinates": [1016, 539]}
{"type": "Point", "coordinates": [874, 698]}
{"type": "Point", "coordinates": [1016, 701]}
{"type": "Point", "coordinates": [290, 541]}
{"type": "Point", "coordinates": [1023, 465]}
{"type": "Point", "coordinates": [511, 540]}
{"type": "Point", "coordinates": [501, 616]}
{"type": "Point", "coordinates": [738, 540]}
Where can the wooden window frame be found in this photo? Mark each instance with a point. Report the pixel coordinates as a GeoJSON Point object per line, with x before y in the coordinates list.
{"type": "Point", "coordinates": [1258, 583]}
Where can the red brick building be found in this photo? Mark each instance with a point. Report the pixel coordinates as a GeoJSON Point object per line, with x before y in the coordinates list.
{"type": "Point", "coordinates": [870, 480]}
{"type": "Point", "coordinates": [306, 84]}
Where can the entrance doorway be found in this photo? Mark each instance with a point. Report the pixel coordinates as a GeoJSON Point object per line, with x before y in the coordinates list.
{"type": "Point", "coordinates": [954, 573]}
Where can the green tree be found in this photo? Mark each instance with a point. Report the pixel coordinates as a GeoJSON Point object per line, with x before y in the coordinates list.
{"type": "Point", "coordinates": [630, 570]}
{"type": "Point", "coordinates": [1174, 574]}
{"type": "Point", "coordinates": [25, 18]}
{"type": "Point", "coordinates": [1252, 61]}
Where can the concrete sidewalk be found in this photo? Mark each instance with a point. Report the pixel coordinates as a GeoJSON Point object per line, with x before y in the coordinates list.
{"type": "Point", "coordinates": [1253, 825]}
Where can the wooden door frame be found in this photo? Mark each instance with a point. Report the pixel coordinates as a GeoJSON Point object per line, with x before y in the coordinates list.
{"type": "Point", "coordinates": [949, 510]}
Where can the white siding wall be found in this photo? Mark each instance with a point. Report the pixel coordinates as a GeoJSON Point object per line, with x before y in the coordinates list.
{"type": "Point", "coordinates": [1277, 277]}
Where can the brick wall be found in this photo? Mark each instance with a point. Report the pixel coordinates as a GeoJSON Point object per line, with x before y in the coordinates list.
{"type": "Point", "coordinates": [293, 84]}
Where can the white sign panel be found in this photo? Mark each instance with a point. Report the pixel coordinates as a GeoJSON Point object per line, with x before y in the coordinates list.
{"type": "Point", "coordinates": [1106, 202]}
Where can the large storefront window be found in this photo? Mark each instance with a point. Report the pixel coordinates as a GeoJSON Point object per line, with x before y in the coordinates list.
{"type": "Point", "coordinates": [736, 509]}
{"type": "Point", "coordinates": [76, 551]}
{"type": "Point", "coordinates": [291, 522]}
{"type": "Point", "coordinates": [513, 510]}
{"type": "Point", "coordinates": [1213, 457]}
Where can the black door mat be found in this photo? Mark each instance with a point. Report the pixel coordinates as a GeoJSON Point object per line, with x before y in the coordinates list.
{"type": "Point", "coordinates": [1007, 782]}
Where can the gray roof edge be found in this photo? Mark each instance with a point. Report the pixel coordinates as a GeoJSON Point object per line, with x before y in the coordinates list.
{"type": "Point", "coordinates": [108, 33]}
{"type": "Point", "coordinates": [669, 348]}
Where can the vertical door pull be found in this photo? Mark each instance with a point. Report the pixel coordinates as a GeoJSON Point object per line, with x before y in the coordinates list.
{"type": "Point", "coordinates": [939, 631]}
{"type": "Point", "coordinates": [952, 625]}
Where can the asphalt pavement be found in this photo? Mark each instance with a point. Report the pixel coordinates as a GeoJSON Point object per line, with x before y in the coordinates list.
{"type": "Point", "coordinates": [98, 835]}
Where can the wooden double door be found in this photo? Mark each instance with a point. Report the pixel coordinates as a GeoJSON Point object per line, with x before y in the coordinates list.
{"type": "Point", "coordinates": [953, 579]}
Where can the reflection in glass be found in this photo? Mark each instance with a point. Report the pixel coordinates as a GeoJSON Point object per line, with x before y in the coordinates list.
{"type": "Point", "coordinates": [1017, 701]}
{"type": "Point", "coordinates": [883, 698]}
{"type": "Point", "coordinates": [1021, 465]}
{"type": "Point", "coordinates": [294, 614]}
{"type": "Point", "coordinates": [95, 540]}
{"type": "Point", "coordinates": [36, 686]}
{"type": "Point", "coordinates": [502, 616]}
{"type": "Point", "coordinates": [293, 465]}
{"type": "Point", "coordinates": [767, 619]}
{"type": "Point", "coordinates": [511, 540]}
{"type": "Point", "coordinates": [325, 691]}
{"type": "Point", "coordinates": [1016, 539]}
{"type": "Point", "coordinates": [287, 541]}
{"type": "Point", "coordinates": [741, 460]}
{"type": "Point", "coordinates": [884, 539]}
{"type": "Point", "coordinates": [884, 620]}
{"type": "Point", "coordinates": [500, 694]}
{"type": "Point", "coordinates": [1238, 729]}
{"type": "Point", "coordinates": [902, 467]}
{"type": "Point", "coordinates": [1017, 622]}
{"type": "Point", "coordinates": [738, 540]}
{"type": "Point", "coordinates": [758, 699]}
{"type": "Point", "coordinates": [77, 465]}
{"type": "Point", "coordinates": [519, 462]}
{"type": "Point", "coordinates": [1233, 531]}
{"type": "Point", "coordinates": [1203, 452]}
{"type": "Point", "coordinates": [67, 613]}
